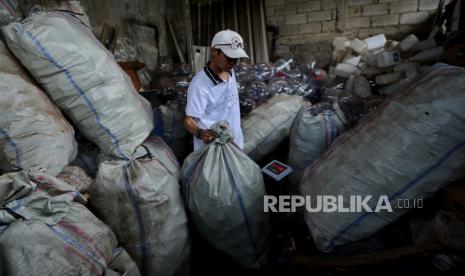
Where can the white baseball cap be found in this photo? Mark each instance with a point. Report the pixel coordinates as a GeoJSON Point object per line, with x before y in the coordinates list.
{"type": "Point", "coordinates": [230, 43]}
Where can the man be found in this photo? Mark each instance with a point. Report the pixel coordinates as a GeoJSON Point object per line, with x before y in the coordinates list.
{"type": "Point", "coordinates": [212, 95]}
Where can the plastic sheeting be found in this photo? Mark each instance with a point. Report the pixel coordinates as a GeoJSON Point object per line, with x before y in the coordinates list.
{"type": "Point", "coordinates": [141, 201]}
{"type": "Point", "coordinates": [62, 239]}
{"type": "Point", "coordinates": [33, 133]}
{"type": "Point", "coordinates": [83, 80]}
{"type": "Point", "coordinates": [224, 190]}
{"type": "Point", "coordinates": [313, 131]}
{"type": "Point", "coordinates": [406, 149]}
{"type": "Point", "coordinates": [269, 124]}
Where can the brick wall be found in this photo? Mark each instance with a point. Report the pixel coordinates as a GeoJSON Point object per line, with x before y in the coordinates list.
{"type": "Point", "coordinates": [305, 28]}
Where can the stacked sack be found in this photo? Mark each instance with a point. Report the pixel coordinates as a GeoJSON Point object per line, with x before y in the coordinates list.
{"type": "Point", "coordinates": [141, 201]}
{"type": "Point", "coordinates": [223, 191]}
{"type": "Point", "coordinates": [136, 191]}
{"type": "Point", "coordinates": [83, 80]}
{"type": "Point", "coordinates": [269, 124]}
{"type": "Point", "coordinates": [63, 239]}
{"type": "Point", "coordinates": [33, 133]}
{"type": "Point", "coordinates": [407, 149]}
{"type": "Point", "coordinates": [313, 131]}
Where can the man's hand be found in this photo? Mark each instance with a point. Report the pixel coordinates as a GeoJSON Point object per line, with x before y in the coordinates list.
{"type": "Point", "coordinates": [208, 136]}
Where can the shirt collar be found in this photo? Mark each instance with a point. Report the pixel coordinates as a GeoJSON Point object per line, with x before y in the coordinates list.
{"type": "Point", "coordinates": [213, 77]}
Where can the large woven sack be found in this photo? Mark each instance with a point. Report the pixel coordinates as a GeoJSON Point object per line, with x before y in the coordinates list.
{"type": "Point", "coordinates": [269, 124]}
{"type": "Point", "coordinates": [83, 79]}
{"type": "Point", "coordinates": [313, 131]}
{"type": "Point", "coordinates": [406, 149]}
{"type": "Point", "coordinates": [33, 133]}
{"type": "Point", "coordinates": [141, 201]}
{"type": "Point", "coordinates": [45, 231]}
{"type": "Point", "coordinates": [224, 190]}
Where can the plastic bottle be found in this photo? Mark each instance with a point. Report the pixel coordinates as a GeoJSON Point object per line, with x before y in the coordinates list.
{"type": "Point", "coordinates": [263, 72]}
{"type": "Point", "coordinates": [358, 46]}
{"type": "Point", "coordinates": [386, 59]}
{"type": "Point", "coordinates": [353, 60]}
{"type": "Point", "coordinates": [424, 45]}
{"type": "Point", "coordinates": [409, 68]}
{"type": "Point", "coordinates": [391, 45]}
{"type": "Point", "coordinates": [371, 71]}
{"type": "Point", "coordinates": [375, 42]}
{"type": "Point", "coordinates": [340, 43]}
{"type": "Point", "coordinates": [362, 86]}
{"type": "Point", "coordinates": [393, 88]}
{"type": "Point", "coordinates": [389, 78]}
{"type": "Point", "coordinates": [350, 84]}
{"type": "Point", "coordinates": [433, 54]}
{"type": "Point", "coordinates": [346, 70]}
{"type": "Point", "coordinates": [283, 65]}
{"type": "Point", "coordinates": [408, 42]}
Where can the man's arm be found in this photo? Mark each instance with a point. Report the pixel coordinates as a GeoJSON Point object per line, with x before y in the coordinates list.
{"type": "Point", "coordinates": [207, 135]}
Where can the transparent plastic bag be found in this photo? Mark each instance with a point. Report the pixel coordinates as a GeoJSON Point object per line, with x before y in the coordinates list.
{"type": "Point", "coordinates": [244, 72]}
{"type": "Point", "coordinates": [282, 65]}
{"type": "Point", "coordinates": [263, 72]}
{"type": "Point", "coordinates": [278, 86]}
{"type": "Point", "coordinates": [258, 91]}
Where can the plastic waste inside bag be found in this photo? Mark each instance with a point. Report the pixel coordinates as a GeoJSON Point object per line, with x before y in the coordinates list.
{"type": "Point", "coordinates": [263, 72]}
{"type": "Point", "coordinates": [257, 91]}
{"type": "Point", "coordinates": [317, 80]}
{"type": "Point", "coordinates": [124, 49]}
{"type": "Point", "coordinates": [144, 77]}
{"type": "Point", "coordinates": [350, 104]}
{"type": "Point", "coordinates": [244, 72]}
{"type": "Point", "coordinates": [318, 76]}
{"type": "Point", "coordinates": [164, 69]}
{"type": "Point", "coordinates": [170, 92]}
{"type": "Point", "coordinates": [182, 97]}
{"type": "Point", "coordinates": [278, 86]}
{"type": "Point", "coordinates": [246, 105]}
{"type": "Point", "coordinates": [281, 64]}
{"type": "Point", "coordinates": [294, 76]}
{"type": "Point", "coordinates": [183, 70]}
{"type": "Point", "coordinates": [241, 87]}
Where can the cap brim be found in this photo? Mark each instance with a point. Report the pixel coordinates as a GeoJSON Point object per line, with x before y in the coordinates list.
{"type": "Point", "coordinates": [237, 53]}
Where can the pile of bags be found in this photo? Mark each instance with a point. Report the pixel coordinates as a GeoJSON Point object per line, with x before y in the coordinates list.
{"type": "Point", "coordinates": [98, 104]}
{"type": "Point", "coordinates": [64, 239]}
{"type": "Point", "coordinates": [407, 149]}
{"type": "Point", "coordinates": [141, 201]}
{"type": "Point", "coordinates": [269, 124]}
{"type": "Point", "coordinates": [136, 191]}
{"type": "Point", "coordinates": [33, 132]}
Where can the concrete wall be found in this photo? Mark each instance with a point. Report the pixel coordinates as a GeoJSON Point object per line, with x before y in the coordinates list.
{"type": "Point", "coordinates": [125, 14]}
{"type": "Point", "coordinates": [305, 28]}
